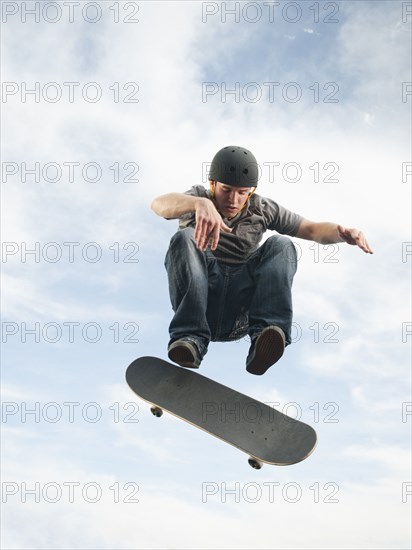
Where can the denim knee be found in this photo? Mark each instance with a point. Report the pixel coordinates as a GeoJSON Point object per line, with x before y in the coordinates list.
{"type": "Point", "coordinates": [182, 237]}
{"type": "Point", "coordinates": [283, 247]}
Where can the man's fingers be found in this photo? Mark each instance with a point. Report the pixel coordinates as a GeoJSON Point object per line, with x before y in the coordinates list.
{"type": "Point", "coordinates": [209, 223]}
{"type": "Point", "coordinates": [206, 232]}
{"type": "Point", "coordinates": [214, 238]}
{"type": "Point", "coordinates": [202, 234]}
{"type": "Point", "coordinates": [355, 237]}
{"type": "Point", "coordinates": [364, 245]}
{"type": "Point", "coordinates": [225, 228]}
{"type": "Point", "coordinates": [362, 242]}
{"type": "Point", "coordinates": [199, 231]}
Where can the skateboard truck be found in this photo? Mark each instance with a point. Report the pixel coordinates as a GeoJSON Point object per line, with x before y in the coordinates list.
{"type": "Point", "coordinates": [156, 411]}
{"type": "Point", "coordinates": [255, 463]}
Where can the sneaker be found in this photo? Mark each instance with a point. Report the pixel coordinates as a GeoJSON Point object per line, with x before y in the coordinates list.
{"type": "Point", "coordinates": [185, 354]}
{"type": "Point", "coordinates": [265, 350]}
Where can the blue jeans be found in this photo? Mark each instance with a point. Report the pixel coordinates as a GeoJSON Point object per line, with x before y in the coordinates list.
{"type": "Point", "coordinates": [214, 301]}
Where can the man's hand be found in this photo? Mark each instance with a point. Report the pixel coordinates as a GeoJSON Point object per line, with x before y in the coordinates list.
{"type": "Point", "coordinates": [209, 224]}
{"type": "Point", "coordinates": [354, 237]}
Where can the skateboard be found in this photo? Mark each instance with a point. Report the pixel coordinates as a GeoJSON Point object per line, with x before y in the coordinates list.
{"type": "Point", "coordinates": [265, 434]}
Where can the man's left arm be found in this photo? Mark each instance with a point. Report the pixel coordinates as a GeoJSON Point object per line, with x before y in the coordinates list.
{"type": "Point", "coordinates": [330, 233]}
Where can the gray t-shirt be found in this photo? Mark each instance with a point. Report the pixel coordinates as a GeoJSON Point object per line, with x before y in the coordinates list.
{"type": "Point", "coordinates": [248, 226]}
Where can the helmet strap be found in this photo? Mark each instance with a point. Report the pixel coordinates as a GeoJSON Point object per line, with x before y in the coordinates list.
{"type": "Point", "coordinates": [248, 199]}
{"type": "Point", "coordinates": [212, 188]}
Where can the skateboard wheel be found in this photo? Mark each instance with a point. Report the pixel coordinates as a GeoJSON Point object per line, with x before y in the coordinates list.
{"type": "Point", "coordinates": [255, 463]}
{"type": "Point", "coordinates": [156, 411]}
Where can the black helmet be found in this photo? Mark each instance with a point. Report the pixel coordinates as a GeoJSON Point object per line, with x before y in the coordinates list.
{"type": "Point", "coordinates": [235, 166]}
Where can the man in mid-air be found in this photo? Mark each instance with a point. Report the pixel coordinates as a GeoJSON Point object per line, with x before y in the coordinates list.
{"type": "Point", "coordinates": [222, 284]}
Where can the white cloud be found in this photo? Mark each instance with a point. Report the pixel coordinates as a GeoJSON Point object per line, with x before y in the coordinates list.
{"type": "Point", "coordinates": [151, 518]}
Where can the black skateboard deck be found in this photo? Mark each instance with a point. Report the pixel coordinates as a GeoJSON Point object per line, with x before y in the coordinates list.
{"type": "Point", "coordinates": [259, 430]}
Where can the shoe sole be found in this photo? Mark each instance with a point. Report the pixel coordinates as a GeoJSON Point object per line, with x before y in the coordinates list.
{"type": "Point", "coordinates": [183, 356]}
{"type": "Point", "coordinates": [270, 346]}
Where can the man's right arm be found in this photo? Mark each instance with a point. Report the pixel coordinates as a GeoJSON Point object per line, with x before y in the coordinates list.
{"type": "Point", "coordinates": [209, 222]}
{"type": "Point", "coordinates": [174, 205]}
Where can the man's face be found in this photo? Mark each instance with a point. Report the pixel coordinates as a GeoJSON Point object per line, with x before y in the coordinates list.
{"type": "Point", "coordinates": [230, 200]}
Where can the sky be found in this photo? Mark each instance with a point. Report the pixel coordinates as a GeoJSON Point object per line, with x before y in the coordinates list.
{"type": "Point", "coordinates": [106, 105]}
